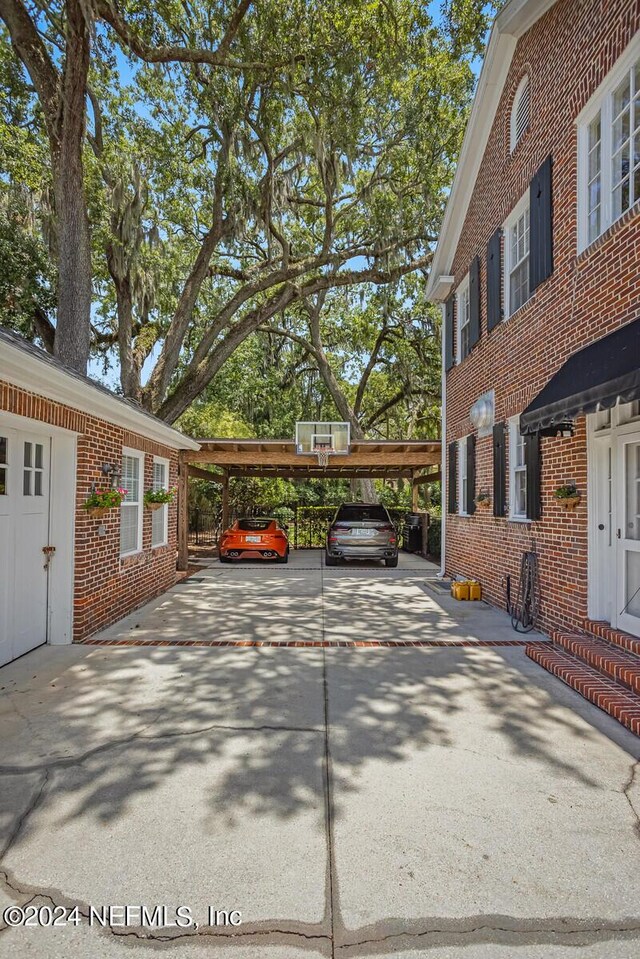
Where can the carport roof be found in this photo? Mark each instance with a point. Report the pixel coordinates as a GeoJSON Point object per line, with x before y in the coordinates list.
{"type": "Point", "coordinates": [279, 457]}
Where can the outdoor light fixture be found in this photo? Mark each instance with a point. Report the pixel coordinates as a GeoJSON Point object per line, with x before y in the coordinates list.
{"type": "Point", "coordinates": [565, 428]}
{"type": "Point", "coordinates": [112, 470]}
{"type": "Point", "coordinates": [481, 413]}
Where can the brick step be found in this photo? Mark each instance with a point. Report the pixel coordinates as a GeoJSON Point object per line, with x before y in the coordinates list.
{"type": "Point", "coordinates": [602, 630]}
{"type": "Point", "coordinates": [609, 660]}
{"type": "Point", "coordinates": [606, 693]}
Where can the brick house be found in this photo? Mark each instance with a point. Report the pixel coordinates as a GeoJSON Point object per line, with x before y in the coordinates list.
{"type": "Point", "coordinates": [537, 269]}
{"type": "Point", "coordinates": [59, 435]}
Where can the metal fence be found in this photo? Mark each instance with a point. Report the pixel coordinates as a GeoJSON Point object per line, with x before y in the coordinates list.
{"type": "Point", "coordinates": [204, 527]}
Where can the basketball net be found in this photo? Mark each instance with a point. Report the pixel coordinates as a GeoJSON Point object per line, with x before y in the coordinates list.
{"type": "Point", "coordinates": [323, 457]}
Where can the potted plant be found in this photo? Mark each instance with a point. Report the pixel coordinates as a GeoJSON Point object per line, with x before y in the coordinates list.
{"type": "Point", "coordinates": [568, 495]}
{"type": "Point", "coordinates": [483, 499]}
{"type": "Point", "coordinates": [155, 498]}
{"type": "Point", "coordinates": [100, 501]}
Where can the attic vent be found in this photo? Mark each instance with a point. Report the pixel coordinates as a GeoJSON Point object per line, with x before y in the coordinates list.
{"type": "Point", "coordinates": [520, 112]}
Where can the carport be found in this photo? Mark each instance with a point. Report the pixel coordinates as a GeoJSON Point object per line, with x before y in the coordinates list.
{"type": "Point", "coordinates": [220, 460]}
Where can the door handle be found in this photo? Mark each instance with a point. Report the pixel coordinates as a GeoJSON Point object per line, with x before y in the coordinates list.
{"type": "Point", "coordinates": [618, 534]}
{"type": "Point", "coordinates": [600, 525]}
{"type": "Point", "coordinates": [48, 553]}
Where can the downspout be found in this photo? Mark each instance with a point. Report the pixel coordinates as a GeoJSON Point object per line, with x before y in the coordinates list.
{"type": "Point", "coordinates": [443, 452]}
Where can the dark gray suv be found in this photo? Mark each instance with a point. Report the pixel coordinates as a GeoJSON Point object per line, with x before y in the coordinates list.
{"type": "Point", "coordinates": [361, 531]}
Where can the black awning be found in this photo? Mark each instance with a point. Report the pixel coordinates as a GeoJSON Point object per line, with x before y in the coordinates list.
{"type": "Point", "coordinates": [597, 377]}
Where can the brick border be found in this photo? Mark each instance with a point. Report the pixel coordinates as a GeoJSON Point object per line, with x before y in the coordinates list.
{"type": "Point", "coordinates": [323, 644]}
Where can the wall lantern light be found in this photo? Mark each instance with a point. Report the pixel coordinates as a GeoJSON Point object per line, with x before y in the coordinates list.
{"type": "Point", "coordinates": [482, 413]}
{"type": "Point", "coordinates": [113, 471]}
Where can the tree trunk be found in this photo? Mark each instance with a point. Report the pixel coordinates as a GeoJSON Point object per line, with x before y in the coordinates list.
{"type": "Point", "coordinates": [73, 323]}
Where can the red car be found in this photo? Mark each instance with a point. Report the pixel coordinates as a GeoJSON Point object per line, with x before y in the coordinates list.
{"type": "Point", "coordinates": [255, 538]}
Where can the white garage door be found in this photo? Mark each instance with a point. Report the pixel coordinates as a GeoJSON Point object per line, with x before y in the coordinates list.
{"type": "Point", "coordinates": [25, 460]}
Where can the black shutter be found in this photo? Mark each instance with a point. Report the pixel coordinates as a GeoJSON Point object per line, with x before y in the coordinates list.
{"type": "Point", "coordinates": [470, 505]}
{"type": "Point", "coordinates": [452, 479]}
{"type": "Point", "coordinates": [541, 226]}
{"type": "Point", "coordinates": [499, 470]}
{"type": "Point", "coordinates": [532, 462]}
{"type": "Point", "coordinates": [494, 280]}
{"type": "Point", "coordinates": [449, 349]}
{"type": "Point", "coordinates": [474, 303]}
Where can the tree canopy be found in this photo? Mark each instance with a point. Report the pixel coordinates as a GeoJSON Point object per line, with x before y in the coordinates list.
{"type": "Point", "coordinates": [235, 167]}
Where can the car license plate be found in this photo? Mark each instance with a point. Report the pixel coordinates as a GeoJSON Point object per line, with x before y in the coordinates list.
{"type": "Point", "coordinates": [363, 533]}
{"type": "Point", "coordinates": [254, 539]}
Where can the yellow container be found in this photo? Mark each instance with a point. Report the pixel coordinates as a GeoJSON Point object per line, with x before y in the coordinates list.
{"type": "Point", "coordinates": [475, 590]}
{"type": "Point", "coordinates": [461, 590]}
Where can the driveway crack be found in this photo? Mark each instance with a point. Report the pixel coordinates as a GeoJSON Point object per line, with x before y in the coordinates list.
{"type": "Point", "coordinates": [627, 794]}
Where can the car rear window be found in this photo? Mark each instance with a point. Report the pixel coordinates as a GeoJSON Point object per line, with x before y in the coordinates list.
{"type": "Point", "coordinates": [254, 525]}
{"type": "Point", "coordinates": [356, 514]}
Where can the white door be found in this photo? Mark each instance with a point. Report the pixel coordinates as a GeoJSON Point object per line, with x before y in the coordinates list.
{"type": "Point", "coordinates": [628, 533]}
{"type": "Point", "coordinates": [24, 531]}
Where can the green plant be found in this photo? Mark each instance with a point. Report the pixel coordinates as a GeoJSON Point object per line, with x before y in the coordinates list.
{"type": "Point", "coordinates": [105, 498]}
{"type": "Point", "coordinates": [567, 491]}
{"type": "Point", "coordinates": [160, 495]}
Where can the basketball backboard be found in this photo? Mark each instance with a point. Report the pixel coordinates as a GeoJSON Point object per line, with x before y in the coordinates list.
{"type": "Point", "coordinates": [330, 437]}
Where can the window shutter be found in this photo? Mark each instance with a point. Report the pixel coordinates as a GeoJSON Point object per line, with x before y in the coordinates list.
{"type": "Point", "coordinates": [532, 462]}
{"type": "Point", "coordinates": [452, 479]}
{"type": "Point", "coordinates": [474, 302]}
{"type": "Point", "coordinates": [541, 226]}
{"type": "Point", "coordinates": [449, 345]}
{"type": "Point", "coordinates": [470, 505]}
{"type": "Point", "coordinates": [499, 470]}
{"type": "Point", "coordinates": [494, 280]}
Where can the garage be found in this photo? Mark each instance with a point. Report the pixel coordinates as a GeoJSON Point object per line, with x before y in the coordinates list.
{"type": "Point", "coordinates": [34, 468]}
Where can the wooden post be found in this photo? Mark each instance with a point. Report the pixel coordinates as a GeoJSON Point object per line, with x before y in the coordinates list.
{"type": "Point", "coordinates": [183, 512]}
{"type": "Point", "coordinates": [225, 501]}
{"type": "Point", "coordinates": [415, 492]}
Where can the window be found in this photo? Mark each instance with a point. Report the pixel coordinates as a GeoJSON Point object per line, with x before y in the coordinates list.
{"type": "Point", "coordinates": [516, 255]}
{"type": "Point", "coordinates": [160, 517]}
{"type": "Point", "coordinates": [517, 472]}
{"type": "Point", "coordinates": [520, 112]}
{"type": "Point", "coordinates": [464, 479]}
{"type": "Point", "coordinates": [464, 317]}
{"type": "Point", "coordinates": [609, 149]}
{"type": "Point", "coordinates": [33, 469]}
{"type": "Point", "coordinates": [131, 508]}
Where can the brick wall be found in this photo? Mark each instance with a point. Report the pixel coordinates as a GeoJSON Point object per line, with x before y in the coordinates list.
{"type": "Point", "coordinates": [566, 55]}
{"type": "Point", "coordinates": [106, 587]}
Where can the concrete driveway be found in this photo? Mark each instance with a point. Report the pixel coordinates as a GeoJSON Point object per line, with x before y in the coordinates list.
{"type": "Point", "coordinates": [452, 802]}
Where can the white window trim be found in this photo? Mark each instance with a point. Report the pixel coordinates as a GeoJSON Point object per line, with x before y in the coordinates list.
{"type": "Point", "coordinates": [462, 289]}
{"type": "Point", "coordinates": [513, 142]}
{"type": "Point", "coordinates": [514, 216]}
{"type": "Point", "coordinates": [514, 436]}
{"type": "Point", "coordinates": [600, 102]}
{"type": "Point", "coordinates": [162, 461]}
{"type": "Point", "coordinates": [136, 454]}
{"type": "Point", "coordinates": [462, 474]}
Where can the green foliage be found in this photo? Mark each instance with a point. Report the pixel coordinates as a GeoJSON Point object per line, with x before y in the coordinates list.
{"type": "Point", "coordinates": [27, 280]}
{"type": "Point", "coordinates": [213, 419]}
{"type": "Point", "coordinates": [567, 491]}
